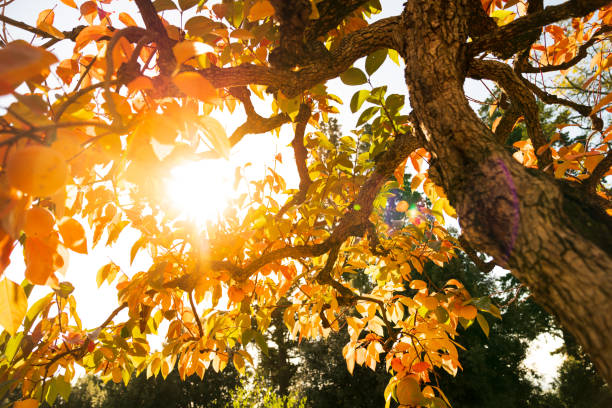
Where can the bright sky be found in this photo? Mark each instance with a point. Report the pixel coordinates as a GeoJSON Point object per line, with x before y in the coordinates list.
{"type": "Point", "coordinates": [94, 304]}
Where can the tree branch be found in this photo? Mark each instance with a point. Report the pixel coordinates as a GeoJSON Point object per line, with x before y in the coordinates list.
{"type": "Point", "coordinates": [598, 172]}
{"type": "Point", "coordinates": [167, 62]}
{"type": "Point", "coordinates": [580, 55]}
{"type": "Point", "coordinates": [301, 154]}
{"type": "Point", "coordinates": [520, 94]}
{"type": "Point", "coordinates": [512, 38]}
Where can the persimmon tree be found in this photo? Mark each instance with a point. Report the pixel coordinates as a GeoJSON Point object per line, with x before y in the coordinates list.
{"type": "Point", "coordinates": [81, 144]}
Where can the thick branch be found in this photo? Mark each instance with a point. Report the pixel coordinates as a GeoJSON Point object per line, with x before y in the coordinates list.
{"type": "Point", "coordinates": [512, 38]}
{"type": "Point", "coordinates": [360, 43]}
{"type": "Point", "coordinates": [520, 94]}
{"type": "Point", "coordinates": [153, 23]}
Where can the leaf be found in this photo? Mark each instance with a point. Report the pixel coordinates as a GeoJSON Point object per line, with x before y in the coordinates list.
{"type": "Point", "coordinates": [195, 85]}
{"type": "Point", "coordinates": [484, 325]}
{"type": "Point", "coordinates": [367, 114]}
{"type": "Point", "coordinates": [260, 10]}
{"type": "Point", "coordinates": [375, 60]}
{"type": "Point", "coordinates": [200, 26]}
{"type": "Point", "coordinates": [89, 11]}
{"type": "Point", "coordinates": [88, 34]}
{"type": "Point", "coordinates": [27, 403]}
{"type": "Point", "coordinates": [215, 133]}
{"type": "Point", "coordinates": [138, 245]}
{"type": "Point", "coordinates": [126, 19]}
{"type": "Point", "coordinates": [13, 305]}
{"type": "Point", "coordinates": [187, 4]}
{"type": "Point", "coordinates": [603, 102]}
{"type": "Point", "coordinates": [261, 342]}
{"type": "Point", "coordinates": [21, 62]}
{"type": "Point", "coordinates": [70, 3]}
{"type": "Point", "coordinates": [73, 235]}
{"type": "Point", "coordinates": [358, 99]}
{"type": "Point", "coordinates": [189, 49]}
{"type": "Point", "coordinates": [353, 76]}
{"type": "Point", "coordinates": [41, 260]}
{"type": "Point", "coordinates": [162, 5]}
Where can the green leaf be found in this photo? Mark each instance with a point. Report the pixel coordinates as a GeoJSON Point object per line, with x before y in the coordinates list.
{"type": "Point", "coordinates": [199, 26]}
{"type": "Point", "coordinates": [161, 5]}
{"type": "Point", "coordinates": [375, 60]}
{"type": "Point", "coordinates": [261, 342]}
{"type": "Point", "coordinates": [353, 76]}
{"type": "Point", "coordinates": [13, 305]}
{"type": "Point", "coordinates": [484, 325]}
{"type": "Point", "coordinates": [358, 99]}
{"type": "Point", "coordinates": [367, 115]}
{"type": "Point", "coordinates": [12, 346]}
{"type": "Point", "coordinates": [247, 336]}
{"type": "Point", "coordinates": [441, 314]}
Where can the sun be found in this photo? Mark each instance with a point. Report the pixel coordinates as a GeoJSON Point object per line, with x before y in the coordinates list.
{"type": "Point", "coordinates": [200, 191]}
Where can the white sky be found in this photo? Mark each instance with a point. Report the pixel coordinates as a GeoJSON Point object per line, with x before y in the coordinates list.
{"type": "Point", "coordinates": [94, 304]}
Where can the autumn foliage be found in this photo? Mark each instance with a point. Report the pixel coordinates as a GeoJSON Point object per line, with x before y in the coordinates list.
{"type": "Point", "coordinates": [90, 137]}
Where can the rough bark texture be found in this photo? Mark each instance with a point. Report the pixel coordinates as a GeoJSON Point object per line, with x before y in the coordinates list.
{"type": "Point", "coordinates": [541, 229]}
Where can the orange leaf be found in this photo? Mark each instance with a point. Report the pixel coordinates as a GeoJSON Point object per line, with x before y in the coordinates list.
{"type": "Point", "coordinates": [126, 19]}
{"type": "Point", "coordinates": [41, 260]}
{"type": "Point", "coordinates": [401, 206]}
{"type": "Point", "coordinates": [399, 173]}
{"type": "Point", "coordinates": [28, 403]}
{"type": "Point", "coordinates": [20, 62]}
{"type": "Point", "coordinates": [89, 10]}
{"type": "Point", "coordinates": [260, 10]}
{"type": "Point", "coordinates": [37, 170]}
{"type": "Point", "coordinates": [421, 366]}
{"type": "Point", "coordinates": [603, 102]}
{"type": "Point", "coordinates": [90, 33]}
{"type": "Point", "coordinates": [39, 222]}
{"type": "Point", "coordinates": [73, 235]}
{"type": "Point", "coordinates": [195, 85]}
{"type": "Point", "coordinates": [70, 3]}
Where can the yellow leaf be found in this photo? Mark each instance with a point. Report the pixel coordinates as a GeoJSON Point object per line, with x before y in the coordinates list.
{"type": "Point", "coordinates": [13, 305]}
{"type": "Point", "coordinates": [260, 10]}
{"type": "Point", "coordinates": [195, 85]}
{"type": "Point", "coordinates": [215, 133]}
{"type": "Point", "coordinates": [20, 62]}
{"type": "Point", "coordinates": [73, 235]}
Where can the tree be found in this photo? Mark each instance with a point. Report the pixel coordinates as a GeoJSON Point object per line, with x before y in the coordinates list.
{"type": "Point", "coordinates": [134, 101]}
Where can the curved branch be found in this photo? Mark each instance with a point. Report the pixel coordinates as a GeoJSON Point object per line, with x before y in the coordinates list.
{"type": "Point", "coordinates": [301, 154]}
{"type": "Point", "coordinates": [352, 223]}
{"type": "Point", "coordinates": [520, 94]}
{"type": "Point", "coordinates": [580, 55]}
{"type": "Point", "coordinates": [514, 37]}
{"type": "Point", "coordinates": [598, 172]}
{"type": "Point", "coordinates": [381, 34]}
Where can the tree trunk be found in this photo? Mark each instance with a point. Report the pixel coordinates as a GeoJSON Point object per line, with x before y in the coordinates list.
{"type": "Point", "coordinates": [540, 228]}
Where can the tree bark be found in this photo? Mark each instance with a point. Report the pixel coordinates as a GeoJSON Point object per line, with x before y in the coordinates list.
{"type": "Point", "coordinates": [542, 229]}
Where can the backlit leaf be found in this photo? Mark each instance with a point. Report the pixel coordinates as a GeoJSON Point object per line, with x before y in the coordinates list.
{"type": "Point", "coordinates": [13, 305]}
{"type": "Point", "coordinates": [195, 85]}
{"type": "Point", "coordinates": [20, 62]}
{"type": "Point", "coordinates": [358, 99]}
{"type": "Point", "coordinates": [260, 10]}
